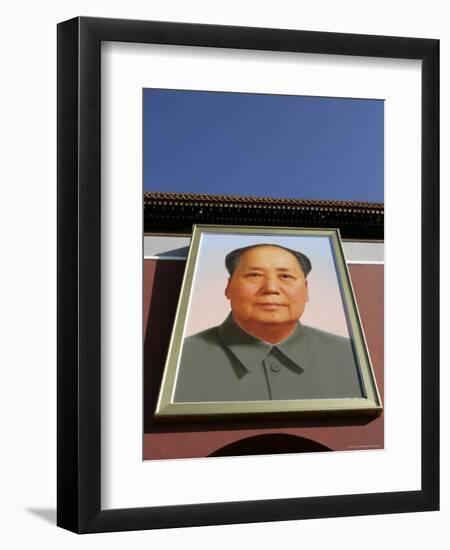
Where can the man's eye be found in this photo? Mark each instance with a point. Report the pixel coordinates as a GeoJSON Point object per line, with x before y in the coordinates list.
{"type": "Point", "coordinates": [286, 276]}
{"type": "Point", "coordinates": [253, 275]}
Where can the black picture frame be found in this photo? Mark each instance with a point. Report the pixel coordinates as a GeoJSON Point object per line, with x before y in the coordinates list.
{"type": "Point", "coordinates": [79, 275]}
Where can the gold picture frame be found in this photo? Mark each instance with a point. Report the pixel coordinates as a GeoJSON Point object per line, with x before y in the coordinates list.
{"type": "Point", "coordinates": [367, 402]}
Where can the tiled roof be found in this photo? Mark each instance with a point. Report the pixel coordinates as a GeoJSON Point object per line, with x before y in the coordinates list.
{"type": "Point", "coordinates": [247, 200]}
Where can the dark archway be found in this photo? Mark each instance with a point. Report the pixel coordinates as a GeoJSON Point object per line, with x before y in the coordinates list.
{"type": "Point", "coordinates": [271, 444]}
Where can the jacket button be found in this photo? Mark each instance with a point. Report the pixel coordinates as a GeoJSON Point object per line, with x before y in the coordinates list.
{"type": "Point", "coordinates": [275, 367]}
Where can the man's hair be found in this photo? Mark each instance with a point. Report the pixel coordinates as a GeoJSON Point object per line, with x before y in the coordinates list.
{"type": "Point", "coordinates": [232, 258]}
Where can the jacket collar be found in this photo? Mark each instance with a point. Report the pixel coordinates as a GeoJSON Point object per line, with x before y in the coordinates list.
{"type": "Point", "coordinates": [251, 351]}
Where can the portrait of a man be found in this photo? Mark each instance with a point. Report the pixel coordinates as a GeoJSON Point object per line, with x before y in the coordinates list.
{"type": "Point", "coordinates": [262, 351]}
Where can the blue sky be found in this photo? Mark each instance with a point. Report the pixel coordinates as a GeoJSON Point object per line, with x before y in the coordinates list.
{"type": "Point", "coordinates": [263, 145]}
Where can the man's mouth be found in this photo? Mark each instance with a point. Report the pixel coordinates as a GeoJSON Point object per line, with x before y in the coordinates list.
{"type": "Point", "coordinates": [270, 306]}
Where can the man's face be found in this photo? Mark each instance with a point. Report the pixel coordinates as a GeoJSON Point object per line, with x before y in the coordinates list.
{"type": "Point", "coordinates": [268, 287]}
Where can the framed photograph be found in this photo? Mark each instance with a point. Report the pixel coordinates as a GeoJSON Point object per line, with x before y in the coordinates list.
{"type": "Point", "coordinates": [191, 160]}
{"type": "Point", "coordinates": [238, 346]}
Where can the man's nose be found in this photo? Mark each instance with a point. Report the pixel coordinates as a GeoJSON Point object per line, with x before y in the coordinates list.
{"type": "Point", "coordinates": [270, 284]}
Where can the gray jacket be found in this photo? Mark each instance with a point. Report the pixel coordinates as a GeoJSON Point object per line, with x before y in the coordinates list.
{"type": "Point", "coordinates": [224, 363]}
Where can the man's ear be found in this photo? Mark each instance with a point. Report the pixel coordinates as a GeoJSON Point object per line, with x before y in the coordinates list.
{"type": "Point", "coordinates": [307, 292]}
{"type": "Point", "coordinates": [227, 291]}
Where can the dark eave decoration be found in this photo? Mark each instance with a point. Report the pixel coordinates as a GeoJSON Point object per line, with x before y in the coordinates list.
{"type": "Point", "coordinates": [177, 212]}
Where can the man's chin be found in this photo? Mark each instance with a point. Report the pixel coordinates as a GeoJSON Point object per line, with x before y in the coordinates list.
{"type": "Point", "coordinates": [272, 320]}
